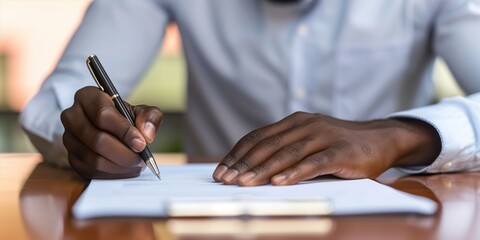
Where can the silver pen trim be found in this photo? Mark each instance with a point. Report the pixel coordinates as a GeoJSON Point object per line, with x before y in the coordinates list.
{"type": "Point", "coordinates": [153, 167]}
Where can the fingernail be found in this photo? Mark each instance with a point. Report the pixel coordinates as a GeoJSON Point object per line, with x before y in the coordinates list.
{"type": "Point", "coordinates": [229, 175]}
{"type": "Point", "coordinates": [279, 179]}
{"type": "Point", "coordinates": [218, 173]}
{"type": "Point", "coordinates": [149, 131]}
{"type": "Point", "coordinates": [246, 178]}
{"type": "Point", "coordinates": [138, 145]}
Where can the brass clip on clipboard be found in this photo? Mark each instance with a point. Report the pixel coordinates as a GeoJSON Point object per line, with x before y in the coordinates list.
{"type": "Point", "coordinates": [247, 207]}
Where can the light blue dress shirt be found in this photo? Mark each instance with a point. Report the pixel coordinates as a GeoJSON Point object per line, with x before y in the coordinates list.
{"type": "Point", "coordinates": [253, 62]}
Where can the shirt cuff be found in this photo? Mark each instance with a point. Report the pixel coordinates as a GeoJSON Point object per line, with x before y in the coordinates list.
{"type": "Point", "coordinates": [453, 119]}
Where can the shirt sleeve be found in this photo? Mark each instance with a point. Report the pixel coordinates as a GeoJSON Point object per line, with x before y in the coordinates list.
{"type": "Point", "coordinates": [457, 120]}
{"type": "Point", "coordinates": [125, 35]}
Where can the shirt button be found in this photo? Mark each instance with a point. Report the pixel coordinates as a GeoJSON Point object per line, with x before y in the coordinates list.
{"type": "Point", "coordinates": [447, 166]}
{"type": "Point", "coordinates": [302, 30]}
{"type": "Point", "coordinates": [300, 93]}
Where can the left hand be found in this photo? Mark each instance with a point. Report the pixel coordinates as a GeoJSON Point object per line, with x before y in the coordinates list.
{"type": "Point", "coordinates": [305, 145]}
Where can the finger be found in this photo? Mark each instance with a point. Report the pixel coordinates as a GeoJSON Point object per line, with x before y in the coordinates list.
{"type": "Point", "coordinates": [264, 150]}
{"type": "Point", "coordinates": [94, 161]}
{"type": "Point", "coordinates": [101, 112]}
{"type": "Point", "coordinates": [321, 163]}
{"type": "Point", "coordinates": [250, 140]}
{"type": "Point", "coordinates": [148, 120]}
{"type": "Point", "coordinates": [80, 167]}
{"type": "Point", "coordinates": [98, 141]}
{"type": "Point", "coordinates": [270, 147]}
{"type": "Point", "coordinates": [84, 170]}
{"type": "Point", "coordinates": [281, 160]}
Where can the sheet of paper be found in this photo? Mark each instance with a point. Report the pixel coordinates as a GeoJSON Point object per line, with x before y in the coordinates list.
{"type": "Point", "coordinates": [193, 184]}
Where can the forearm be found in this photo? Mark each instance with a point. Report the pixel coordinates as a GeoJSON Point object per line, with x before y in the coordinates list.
{"type": "Point", "coordinates": [109, 29]}
{"type": "Point", "coordinates": [457, 122]}
{"type": "Point", "coordinates": [43, 127]}
{"type": "Point", "coordinates": [125, 34]}
{"type": "Point", "coordinates": [53, 152]}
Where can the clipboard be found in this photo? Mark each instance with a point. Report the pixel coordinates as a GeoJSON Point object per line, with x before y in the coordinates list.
{"type": "Point", "coordinates": [189, 191]}
{"type": "Point", "coordinates": [247, 207]}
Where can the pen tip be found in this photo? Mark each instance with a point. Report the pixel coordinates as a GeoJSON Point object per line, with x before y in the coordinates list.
{"type": "Point", "coordinates": [158, 176]}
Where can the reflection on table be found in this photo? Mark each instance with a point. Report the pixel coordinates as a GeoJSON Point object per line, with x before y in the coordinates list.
{"type": "Point", "coordinates": [48, 194]}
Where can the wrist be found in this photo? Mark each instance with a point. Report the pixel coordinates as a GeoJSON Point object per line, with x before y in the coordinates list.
{"type": "Point", "coordinates": [416, 142]}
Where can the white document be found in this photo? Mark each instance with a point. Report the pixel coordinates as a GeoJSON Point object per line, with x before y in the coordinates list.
{"type": "Point", "coordinates": [189, 190]}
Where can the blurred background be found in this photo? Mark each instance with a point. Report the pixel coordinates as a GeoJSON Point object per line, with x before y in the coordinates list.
{"type": "Point", "coordinates": [33, 34]}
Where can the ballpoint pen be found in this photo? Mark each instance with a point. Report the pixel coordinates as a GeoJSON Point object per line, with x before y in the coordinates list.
{"type": "Point", "coordinates": [103, 81]}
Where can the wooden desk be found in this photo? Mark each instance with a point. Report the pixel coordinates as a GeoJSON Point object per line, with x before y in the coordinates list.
{"type": "Point", "coordinates": [35, 202]}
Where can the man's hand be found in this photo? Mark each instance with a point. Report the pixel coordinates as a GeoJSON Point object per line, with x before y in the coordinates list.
{"type": "Point", "coordinates": [101, 143]}
{"type": "Point", "coordinates": [303, 146]}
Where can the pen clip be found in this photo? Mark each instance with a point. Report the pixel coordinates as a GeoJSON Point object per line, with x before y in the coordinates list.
{"type": "Point", "coordinates": [94, 76]}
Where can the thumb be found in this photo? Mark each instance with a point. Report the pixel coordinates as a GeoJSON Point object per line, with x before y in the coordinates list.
{"type": "Point", "coordinates": [147, 119]}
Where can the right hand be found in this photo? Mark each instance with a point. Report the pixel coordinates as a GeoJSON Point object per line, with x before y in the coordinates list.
{"type": "Point", "coordinates": [101, 143]}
